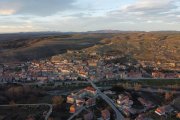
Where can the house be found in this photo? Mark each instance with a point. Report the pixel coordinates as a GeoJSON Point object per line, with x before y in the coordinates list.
{"type": "Point", "coordinates": [122, 99]}
{"type": "Point", "coordinates": [109, 75]}
{"type": "Point", "coordinates": [83, 74]}
{"type": "Point", "coordinates": [1, 69]}
{"type": "Point", "coordinates": [70, 99]}
{"type": "Point", "coordinates": [140, 117]}
{"type": "Point", "coordinates": [164, 110]}
{"type": "Point", "coordinates": [90, 102]}
{"type": "Point", "coordinates": [80, 101]}
{"type": "Point", "coordinates": [126, 112]}
{"type": "Point", "coordinates": [81, 94]}
{"type": "Point", "coordinates": [72, 109]}
{"type": "Point", "coordinates": [178, 115]}
{"type": "Point", "coordinates": [178, 75]}
{"type": "Point", "coordinates": [145, 102]}
{"type": "Point", "coordinates": [157, 74]}
{"type": "Point", "coordinates": [122, 75]}
{"type": "Point", "coordinates": [44, 79]}
{"type": "Point", "coordinates": [88, 116]}
{"type": "Point", "coordinates": [134, 74]}
{"type": "Point", "coordinates": [171, 75]}
{"type": "Point", "coordinates": [105, 114]}
{"type": "Point", "coordinates": [91, 90]}
{"type": "Point", "coordinates": [30, 117]}
{"type": "Point", "coordinates": [92, 63]}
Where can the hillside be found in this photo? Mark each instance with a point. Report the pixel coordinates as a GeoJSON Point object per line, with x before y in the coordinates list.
{"type": "Point", "coordinates": [28, 48]}
{"type": "Point", "coordinates": [146, 46]}
{"type": "Point", "coordinates": [143, 46]}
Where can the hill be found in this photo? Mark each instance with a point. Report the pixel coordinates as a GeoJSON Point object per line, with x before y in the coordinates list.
{"type": "Point", "coordinates": [23, 47]}
{"type": "Point", "coordinates": [143, 46]}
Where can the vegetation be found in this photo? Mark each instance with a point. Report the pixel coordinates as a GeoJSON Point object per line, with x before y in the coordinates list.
{"type": "Point", "coordinates": [155, 82]}
{"type": "Point", "coordinates": [57, 100]}
{"type": "Point", "coordinates": [143, 46]}
{"type": "Point", "coordinates": [29, 48]}
{"type": "Point", "coordinates": [136, 46]}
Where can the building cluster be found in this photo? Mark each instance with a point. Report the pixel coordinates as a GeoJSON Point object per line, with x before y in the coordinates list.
{"type": "Point", "coordinates": [85, 97]}
{"type": "Point", "coordinates": [162, 65]}
{"type": "Point", "coordinates": [125, 104]}
{"type": "Point", "coordinates": [136, 106]}
{"type": "Point", "coordinates": [76, 66]}
{"type": "Point", "coordinates": [64, 68]}
{"type": "Point", "coordinates": [164, 110]}
{"type": "Point", "coordinates": [159, 74]}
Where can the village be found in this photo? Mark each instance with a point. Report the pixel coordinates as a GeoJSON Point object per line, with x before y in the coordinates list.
{"type": "Point", "coordinates": [110, 73]}
{"type": "Point", "coordinates": [132, 104]}
{"type": "Point", "coordinates": [78, 66]}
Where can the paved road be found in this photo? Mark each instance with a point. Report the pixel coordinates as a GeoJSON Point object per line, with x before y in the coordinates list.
{"type": "Point", "coordinates": [41, 104]}
{"type": "Point", "coordinates": [119, 116]}
{"type": "Point", "coordinates": [66, 82]}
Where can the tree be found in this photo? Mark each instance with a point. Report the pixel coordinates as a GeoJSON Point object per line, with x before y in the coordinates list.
{"type": "Point", "coordinates": [50, 118]}
{"type": "Point", "coordinates": [12, 103]}
{"type": "Point", "coordinates": [79, 78]}
{"type": "Point", "coordinates": [168, 96]}
{"type": "Point", "coordinates": [137, 86]}
{"type": "Point", "coordinates": [57, 100]}
{"type": "Point", "coordinates": [15, 91]}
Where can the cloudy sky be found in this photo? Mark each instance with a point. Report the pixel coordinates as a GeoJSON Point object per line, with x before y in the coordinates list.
{"type": "Point", "coordinates": [87, 15]}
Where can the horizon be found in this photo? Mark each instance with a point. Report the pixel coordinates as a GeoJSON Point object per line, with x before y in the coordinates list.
{"type": "Point", "coordinates": [93, 31]}
{"type": "Point", "coordinates": [83, 15]}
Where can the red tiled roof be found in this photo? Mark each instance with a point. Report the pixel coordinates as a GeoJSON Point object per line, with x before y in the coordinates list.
{"type": "Point", "coordinates": [90, 88]}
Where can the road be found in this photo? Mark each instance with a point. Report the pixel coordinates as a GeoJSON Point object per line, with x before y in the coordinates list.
{"type": "Point", "coordinates": [77, 112]}
{"type": "Point", "coordinates": [84, 82]}
{"type": "Point", "coordinates": [119, 116]}
{"type": "Point", "coordinates": [158, 90]}
{"type": "Point", "coordinates": [41, 104]}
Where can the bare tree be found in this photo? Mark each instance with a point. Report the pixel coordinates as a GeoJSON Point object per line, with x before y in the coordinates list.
{"type": "Point", "coordinates": [57, 100]}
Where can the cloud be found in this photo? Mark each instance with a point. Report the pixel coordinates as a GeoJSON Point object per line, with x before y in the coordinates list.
{"type": "Point", "coordinates": [7, 8]}
{"type": "Point", "coordinates": [36, 7]}
{"type": "Point", "coordinates": [149, 10]}
{"type": "Point", "coordinates": [73, 15]}
{"type": "Point", "coordinates": [150, 6]}
{"type": "Point", "coordinates": [7, 12]}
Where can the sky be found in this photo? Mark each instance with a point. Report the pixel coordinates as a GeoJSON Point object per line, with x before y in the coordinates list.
{"type": "Point", "coordinates": [88, 15]}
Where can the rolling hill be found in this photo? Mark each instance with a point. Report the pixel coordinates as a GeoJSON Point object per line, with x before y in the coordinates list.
{"type": "Point", "coordinates": [143, 46]}
{"type": "Point", "coordinates": [24, 48]}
